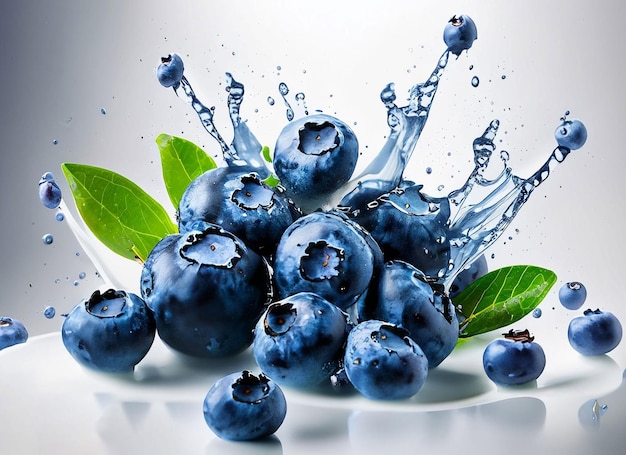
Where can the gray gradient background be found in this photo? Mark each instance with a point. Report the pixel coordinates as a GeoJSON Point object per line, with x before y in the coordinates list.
{"type": "Point", "coordinates": [64, 60]}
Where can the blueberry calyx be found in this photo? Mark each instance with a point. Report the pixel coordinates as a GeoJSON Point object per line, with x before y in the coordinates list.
{"type": "Point", "coordinates": [456, 21]}
{"type": "Point", "coordinates": [321, 261]}
{"type": "Point", "coordinates": [522, 336]}
{"type": "Point", "coordinates": [249, 388]}
{"type": "Point", "coordinates": [279, 319]}
{"type": "Point", "coordinates": [253, 194]}
{"type": "Point", "coordinates": [589, 311]}
{"type": "Point", "coordinates": [318, 138]}
{"type": "Point", "coordinates": [109, 304]}
{"type": "Point", "coordinates": [212, 247]}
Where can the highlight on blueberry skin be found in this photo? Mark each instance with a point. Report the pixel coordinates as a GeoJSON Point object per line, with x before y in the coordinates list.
{"type": "Point", "coordinates": [299, 340]}
{"type": "Point", "coordinates": [515, 359]}
{"type": "Point", "coordinates": [12, 332]}
{"type": "Point", "coordinates": [596, 332]}
{"type": "Point", "coordinates": [459, 34]}
{"type": "Point", "coordinates": [383, 362]}
{"type": "Point", "coordinates": [170, 71]}
{"type": "Point", "coordinates": [243, 407]}
{"type": "Point", "coordinates": [110, 332]}
{"type": "Point", "coordinates": [49, 192]}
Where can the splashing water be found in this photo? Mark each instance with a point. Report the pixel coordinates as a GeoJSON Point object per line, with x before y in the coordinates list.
{"type": "Point", "coordinates": [480, 210]}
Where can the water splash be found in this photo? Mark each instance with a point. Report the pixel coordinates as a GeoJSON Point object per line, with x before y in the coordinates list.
{"type": "Point", "coordinates": [284, 91]}
{"type": "Point", "coordinates": [385, 172]}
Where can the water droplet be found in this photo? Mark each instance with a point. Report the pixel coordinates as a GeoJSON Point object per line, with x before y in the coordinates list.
{"type": "Point", "coordinates": [537, 313]}
{"type": "Point", "coordinates": [47, 239]}
{"type": "Point", "coordinates": [60, 216]}
{"type": "Point", "coordinates": [283, 89]}
{"type": "Point", "coordinates": [475, 81]}
{"type": "Point", "coordinates": [429, 170]}
{"type": "Point", "coordinates": [103, 111]}
{"type": "Point", "coordinates": [75, 283]}
{"type": "Point", "coordinates": [440, 187]}
{"type": "Point", "coordinates": [49, 312]}
{"type": "Point", "coordinates": [471, 67]}
{"type": "Point", "coordinates": [55, 141]}
{"type": "Point", "coordinates": [270, 101]}
{"type": "Point", "coordinates": [278, 68]}
{"type": "Point", "coordinates": [299, 96]}
{"type": "Point", "coordinates": [504, 76]}
{"type": "Point", "coordinates": [82, 275]}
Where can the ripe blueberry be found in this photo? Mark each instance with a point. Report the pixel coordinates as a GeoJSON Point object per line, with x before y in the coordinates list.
{"type": "Point", "coordinates": [595, 333]}
{"type": "Point", "coordinates": [572, 295]}
{"type": "Point", "coordinates": [49, 191]}
{"type": "Point", "coordinates": [170, 71]}
{"type": "Point", "coordinates": [109, 332]}
{"type": "Point", "coordinates": [241, 407]}
{"type": "Point", "coordinates": [459, 34]}
{"type": "Point", "coordinates": [383, 362]}
{"type": "Point", "coordinates": [571, 134]}
{"type": "Point", "coordinates": [12, 332]}
{"type": "Point", "coordinates": [515, 359]}
{"type": "Point", "coordinates": [299, 340]}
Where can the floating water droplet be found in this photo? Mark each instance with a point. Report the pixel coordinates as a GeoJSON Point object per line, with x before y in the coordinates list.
{"type": "Point", "coordinates": [537, 313]}
{"type": "Point", "coordinates": [55, 141]}
{"type": "Point", "coordinates": [475, 81]}
{"type": "Point", "coordinates": [47, 239]}
{"type": "Point", "coordinates": [60, 216]}
{"type": "Point", "coordinates": [75, 283]}
{"type": "Point", "coordinates": [49, 312]}
{"type": "Point", "coordinates": [471, 67]}
{"type": "Point", "coordinates": [82, 275]}
{"type": "Point", "coordinates": [504, 76]}
{"type": "Point", "coordinates": [429, 170]}
{"type": "Point", "coordinates": [440, 187]}
{"type": "Point", "coordinates": [103, 111]}
{"type": "Point", "coordinates": [283, 89]}
{"type": "Point", "coordinates": [270, 101]}
{"type": "Point", "coordinates": [278, 68]}
{"type": "Point", "coordinates": [299, 96]}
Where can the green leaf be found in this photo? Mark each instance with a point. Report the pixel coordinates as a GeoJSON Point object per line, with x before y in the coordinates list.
{"type": "Point", "coordinates": [267, 154]}
{"type": "Point", "coordinates": [502, 297]}
{"type": "Point", "coordinates": [271, 181]}
{"type": "Point", "coordinates": [181, 162]}
{"type": "Point", "coordinates": [119, 213]}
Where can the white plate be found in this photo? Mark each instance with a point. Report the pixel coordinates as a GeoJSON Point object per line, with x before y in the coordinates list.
{"type": "Point", "coordinates": [578, 405]}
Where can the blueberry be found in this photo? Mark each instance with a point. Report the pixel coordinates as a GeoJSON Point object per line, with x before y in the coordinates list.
{"type": "Point", "coordinates": [571, 134]}
{"type": "Point", "coordinates": [572, 295]}
{"type": "Point", "coordinates": [314, 156]}
{"type": "Point", "coordinates": [207, 290]}
{"type": "Point", "coordinates": [595, 333]}
{"type": "Point", "coordinates": [236, 199]}
{"type": "Point", "coordinates": [405, 298]}
{"type": "Point", "coordinates": [170, 71]}
{"type": "Point", "coordinates": [459, 34]}
{"type": "Point", "coordinates": [49, 192]}
{"type": "Point", "coordinates": [109, 332]}
{"type": "Point", "coordinates": [383, 362]}
{"type": "Point", "coordinates": [241, 407]}
{"type": "Point", "coordinates": [477, 269]}
{"type": "Point", "coordinates": [325, 253]}
{"type": "Point", "coordinates": [12, 332]}
{"type": "Point", "coordinates": [515, 359]}
{"type": "Point", "coordinates": [299, 340]}
{"type": "Point", "coordinates": [410, 226]}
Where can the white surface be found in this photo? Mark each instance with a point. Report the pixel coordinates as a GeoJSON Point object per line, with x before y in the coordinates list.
{"type": "Point", "coordinates": [65, 60]}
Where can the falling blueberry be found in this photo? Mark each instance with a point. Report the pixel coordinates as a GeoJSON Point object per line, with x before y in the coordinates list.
{"type": "Point", "coordinates": [49, 312]}
{"type": "Point", "coordinates": [49, 191]}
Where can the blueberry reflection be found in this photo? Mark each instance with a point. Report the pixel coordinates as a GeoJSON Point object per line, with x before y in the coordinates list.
{"type": "Point", "coordinates": [265, 446]}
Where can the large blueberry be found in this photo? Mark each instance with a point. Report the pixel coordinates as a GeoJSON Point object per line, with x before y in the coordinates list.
{"type": "Point", "coordinates": [109, 332]}
{"type": "Point", "coordinates": [236, 199]}
{"type": "Point", "coordinates": [459, 34]}
{"type": "Point", "coordinates": [596, 332]}
{"type": "Point", "coordinates": [515, 359]}
{"type": "Point", "coordinates": [314, 156]}
{"type": "Point", "coordinates": [404, 297]}
{"type": "Point", "coordinates": [383, 362]}
{"type": "Point", "coordinates": [12, 332]}
{"type": "Point", "coordinates": [329, 255]}
{"type": "Point", "coordinates": [411, 226]}
{"type": "Point", "coordinates": [242, 407]}
{"type": "Point", "coordinates": [207, 290]}
{"type": "Point", "coordinates": [299, 340]}
{"type": "Point", "coordinates": [170, 71]}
